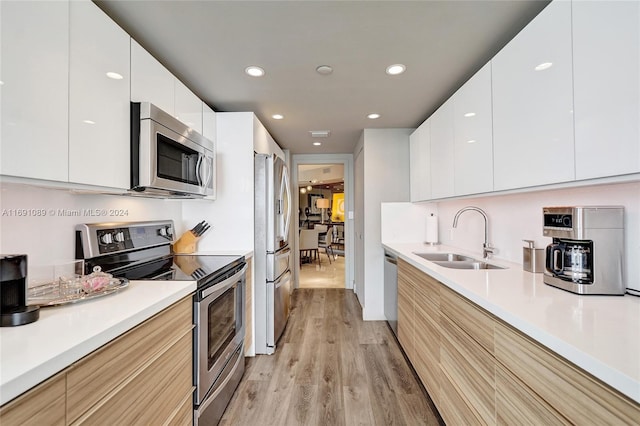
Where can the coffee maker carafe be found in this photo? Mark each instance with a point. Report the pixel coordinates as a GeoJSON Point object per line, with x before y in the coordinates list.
{"type": "Point", "coordinates": [13, 292]}
{"type": "Point", "coordinates": [586, 255]}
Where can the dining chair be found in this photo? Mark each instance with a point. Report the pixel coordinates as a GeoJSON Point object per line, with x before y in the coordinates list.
{"type": "Point", "coordinates": [309, 244]}
{"type": "Point", "coordinates": [324, 241]}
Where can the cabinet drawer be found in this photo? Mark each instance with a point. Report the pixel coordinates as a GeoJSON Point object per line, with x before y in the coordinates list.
{"type": "Point", "coordinates": [452, 407]}
{"type": "Point", "coordinates": [578, 396]}
{"type": "Point", "coordinates": [93, 377]}
{"type": "Point", "coordinates": [44, 404]}
{"type": "Point", "coordinates": [472, 319]}
{"type": "Point", "coordinates": [470, 367]}
{"type": "Point", "coordinates": [427, 349]}
{"type": "Point", "coordinates": [184, 414]}
{"type": "Point", "coordinates": [151, 396]}
{"type": "Point", "coordinates": [405, 314]}
{"type": "Point", "coordinates": [516, 404]}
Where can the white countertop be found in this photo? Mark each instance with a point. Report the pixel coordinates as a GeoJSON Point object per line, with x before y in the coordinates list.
{"type": "Point", "coordinates": [600, 334]}
{"type": "Point", "coordinates": [31, 353]}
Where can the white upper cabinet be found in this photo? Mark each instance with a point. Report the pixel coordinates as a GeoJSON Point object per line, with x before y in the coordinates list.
{"type": "Point", "coordinates": [188, 107]}
{"type": "Point", "coordinates": [419, 163]}
{"type": "Point", "coordinates": [473, 134]}
{"type": "Point", "coordinates": [208, 123]}
{"type": "Point", "coordinates": [150, 80]}
{"type": "Point", "coordinates": [98, 98]}
{"type": "Point", "coordinates": [442, 167]}
{"type": "Point", "coordinates": [209, 129]}
{"type": "Point", "coordinates": [533, 103]}
{"type": "Point", "coordinates": [606, 57]}
{"type": "Point", "coordinates": [35, 89]}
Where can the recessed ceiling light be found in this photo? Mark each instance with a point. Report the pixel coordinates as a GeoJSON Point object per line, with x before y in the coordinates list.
{"type": "Point", "coordinates": [396, 69]}
{"type": "Point", "coordinates": [88, 122]}
{"type": "Point", "coordinates": [324, 70]}
{"type": "Point", "coordinates": [543, 66]}
{"type": "Point", "coordinates": [471, 141]}
{"type": "Point", "coordinates": [470, 114]}
{"type": "Point", "coordinates": [254, 71]}
{"type": "Point", "coordinates": [277, 116]}
{"type": "Point", "coordinates": [114, 75]}
{"type": "Point", "coordinates": [373, 116]}
{"type": "Point", "coordinates": [317, 143]}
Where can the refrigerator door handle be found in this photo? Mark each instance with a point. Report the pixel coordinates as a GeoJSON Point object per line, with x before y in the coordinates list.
{"type": "Point", "coordinates": [286, 187]}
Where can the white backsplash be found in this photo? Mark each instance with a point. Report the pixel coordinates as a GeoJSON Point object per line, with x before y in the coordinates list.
{"type": "Point", "coordinates": [515, 217]}
{"type": "Point", "coordinates": [41, 222]}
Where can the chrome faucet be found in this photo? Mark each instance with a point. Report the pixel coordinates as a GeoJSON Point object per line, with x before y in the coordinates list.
{"type": "Point", "coordinates": [487, 250]}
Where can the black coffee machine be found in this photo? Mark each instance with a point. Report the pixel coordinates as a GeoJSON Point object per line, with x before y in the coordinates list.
{"type": "Point", "coordinates": [13, 292]}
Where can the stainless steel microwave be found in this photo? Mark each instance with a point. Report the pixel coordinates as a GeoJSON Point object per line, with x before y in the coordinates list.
{"type": "Point", "coordinates": [168, 158]}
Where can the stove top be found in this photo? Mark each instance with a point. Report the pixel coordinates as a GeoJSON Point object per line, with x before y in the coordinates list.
{"type": "Point", "coordinates": [142, 251]}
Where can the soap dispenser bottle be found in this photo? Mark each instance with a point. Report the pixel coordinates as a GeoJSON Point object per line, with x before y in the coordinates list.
{"type": "Point", "coordinates": [532, 258]}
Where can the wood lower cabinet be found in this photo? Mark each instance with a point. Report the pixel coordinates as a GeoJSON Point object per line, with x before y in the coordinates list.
{"type": "Point", "coordinates": [406, 320]}
{"type": "Point", "coordinates": [574, 393]}
{"type": "Point", "coordinates": [490, 373]}
{"type": "Point", "coordinates": [44, 404]}
{"type": "Point", "coordinates": [144, 376]}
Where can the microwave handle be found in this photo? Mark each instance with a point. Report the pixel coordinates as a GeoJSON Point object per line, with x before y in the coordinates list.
{"type": "Point", "coordinates": [205, 178]}
{"type": "Point", "coordinates": [198, 166]}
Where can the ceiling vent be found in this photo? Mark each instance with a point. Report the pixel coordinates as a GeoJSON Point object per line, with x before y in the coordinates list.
{"type": "Point", "coordinates": [320, 133]}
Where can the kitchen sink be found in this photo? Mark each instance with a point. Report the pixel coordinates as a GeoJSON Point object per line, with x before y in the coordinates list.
{"type": "Point", "coordinates": [444, 257]}
{"type": "Point", "coordinates": [473, 264]}
{"type": "Point", "coordinates": [456, 261]}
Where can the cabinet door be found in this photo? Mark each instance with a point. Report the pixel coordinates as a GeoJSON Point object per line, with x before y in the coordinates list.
{"type": "Point", "coordinates": [473, 135]}
{"type": "Point", "coordinates": [98, 98]}
{"type": "Point", "coordinates": [420, 167]}
{"type": "Point", "coordinates": [606, 70]}
{"type": "Point", "coordinates": [442, 151]}
{"type": "Point", "coordinates": [208, 123]}
{"type": "Point", "coordinates": [150, 80]}
{"type": "Point", "coordinates": [209, 129]}
{"type": "Point", "coordinates": [42, 405]}
{"type": "Point", "coordinates": [533, 103]}
{"type": "Point", "coordinates": [427, 332]}
{"type": "Point", "coordinates": [406, 311]}
{"type": "Point", "coordinates": [35, 89]}
{"type": "Point", "coordinates": [188, 107]}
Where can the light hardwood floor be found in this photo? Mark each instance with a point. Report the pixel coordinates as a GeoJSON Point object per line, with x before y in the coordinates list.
{"type": "Point", "coordinates": [330, 368]}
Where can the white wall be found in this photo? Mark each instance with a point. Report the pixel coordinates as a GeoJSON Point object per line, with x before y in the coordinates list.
{"type": "Point", "coordinates": [385, 179]}
{"type": "Point", "coordinates": [50, 238]}
{"type": "Point", "coordinates": [405, 222]}
{"type": "Point", "coordinates": [515, 217]}
{"type": "Point", "coordinates": [231, 214]}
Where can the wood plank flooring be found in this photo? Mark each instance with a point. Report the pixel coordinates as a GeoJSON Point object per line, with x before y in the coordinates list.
{"type": "Point", "coordinates": [330, 368]}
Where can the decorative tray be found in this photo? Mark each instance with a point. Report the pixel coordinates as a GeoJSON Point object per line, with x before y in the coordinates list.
{"type": "Point", "coordinates": [63, 292]}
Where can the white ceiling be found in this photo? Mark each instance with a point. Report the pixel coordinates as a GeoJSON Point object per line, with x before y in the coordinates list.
{"type": "Point", "coordinates": [208, 44]}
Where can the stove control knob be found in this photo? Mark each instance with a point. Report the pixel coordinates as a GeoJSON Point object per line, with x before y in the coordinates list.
{"type": "Point", "coordinates": [166, 231]}
{"type": "Point", "coordinates": [119, 236]}
{"type": "Point", "coordinates": [106, 238]}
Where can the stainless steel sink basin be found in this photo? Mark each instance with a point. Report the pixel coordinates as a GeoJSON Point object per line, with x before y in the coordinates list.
{"type": "Point", "coordinates": [444, 257]}
{"type": "Point", "coordinates": [473, 264]}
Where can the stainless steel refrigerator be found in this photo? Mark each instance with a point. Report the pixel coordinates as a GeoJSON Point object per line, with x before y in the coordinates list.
{"type": "Point", "coordinates": [272, 254]}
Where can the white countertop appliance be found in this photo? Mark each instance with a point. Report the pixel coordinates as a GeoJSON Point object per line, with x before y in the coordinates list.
{"type": "Point", "coordinates": [168, 159]}
{"type": "Point", "coordinates": [142, 251]}
{"type": "Point", "coordinates": [587, 252]}
{"type": "Point", "coordinates": [272, 253]}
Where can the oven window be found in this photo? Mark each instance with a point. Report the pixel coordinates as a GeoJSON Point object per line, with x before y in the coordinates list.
{"type": "Point", "coordinates": [222, 324]}
{"type": "Point", "coordinates": [176, 161]}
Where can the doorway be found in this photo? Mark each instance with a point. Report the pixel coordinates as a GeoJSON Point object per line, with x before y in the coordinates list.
{"type": "Point", "coordinates": [322, 206]}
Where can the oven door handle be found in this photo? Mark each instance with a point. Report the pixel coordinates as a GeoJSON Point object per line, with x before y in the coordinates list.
{"type": "Point", "coordinates": [224, 285]}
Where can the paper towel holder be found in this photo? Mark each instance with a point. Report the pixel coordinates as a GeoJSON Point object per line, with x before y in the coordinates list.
{"type": "Point", "coordinates": [433, 235]}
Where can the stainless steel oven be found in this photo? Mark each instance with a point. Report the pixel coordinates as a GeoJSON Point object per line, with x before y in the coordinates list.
{"type": "Point", "coordinates": [219, 350]}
